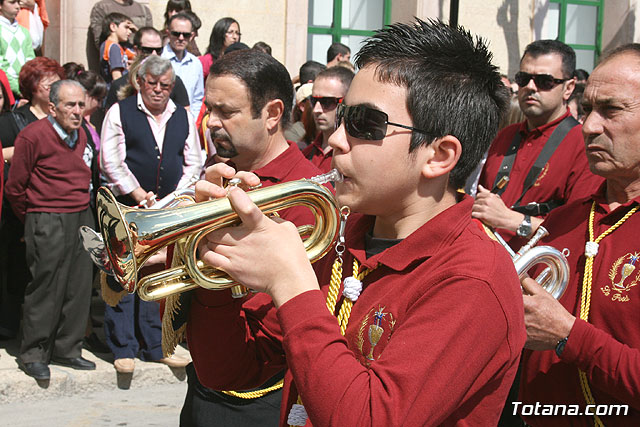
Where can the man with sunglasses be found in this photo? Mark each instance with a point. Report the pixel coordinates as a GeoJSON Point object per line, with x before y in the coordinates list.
{"type": "Point", "coordinates": [147, 41]}
{"type": "Point", "coordinates": [186, 65]}
{"type": "Point", "coordinates": [430, 325]}
{"type": "Point", "coordinates": [538, 165]}
{"type": "Point", "coordinates": [328, 90]}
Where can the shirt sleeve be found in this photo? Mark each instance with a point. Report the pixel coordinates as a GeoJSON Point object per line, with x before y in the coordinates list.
{"type": "Point", "coordinates": [193, 159]}
{"type": "Point", "coordinates": [116, 59]}
{"type": "Point", "coordinates": [198, 91]}
{"type": "Point", "coordinates": [22, 166]}
{"type": "Point", "coordinates": [113, 154]}
{"type": "Point", "coordinates": [609, 364]}
{"type": "Point", "coordinates": [95, 22]}
{"type": "Point", "coordinates": [27, 46]}
{"type": "Point", "coordinates": [428, 354]}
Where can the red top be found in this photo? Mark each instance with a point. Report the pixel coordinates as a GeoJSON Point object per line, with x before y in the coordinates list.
{"type": "Point", "coordinates": [5, 82]}
{"type": "Point", "coordinates": [452, 333]}
{"type": "Point", "coordinates": [46, 175]}
{"type": "Point", "coordinates": [207, 61]}
{"type": "Point", "coordinates": [1, 178]}
{"type": "Point", "coordinates": [319, 158]}
{"type": "Point", "coordinates": [608, 347]}
{"type": "Point", "coordinates": [566, 176]}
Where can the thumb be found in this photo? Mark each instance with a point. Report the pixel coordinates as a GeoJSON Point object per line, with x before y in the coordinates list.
{"type": "Point", "coordinates": [531, 287]}
{"type": "Point", "coordinates": [481, 189]}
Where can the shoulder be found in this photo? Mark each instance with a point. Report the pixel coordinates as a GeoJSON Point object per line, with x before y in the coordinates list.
{"type": "Point", "coordinates": [504, 138]}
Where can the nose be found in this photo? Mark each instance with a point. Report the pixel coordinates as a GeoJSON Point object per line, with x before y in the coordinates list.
{"type": "Point", "coordinates": [213, 121]}
{"type": "Point", "coordinates": [317, 108]}
{"type": "Point", "coordinates": [338, 140]}
{"type": "Point", "coordinates": [592, 124]}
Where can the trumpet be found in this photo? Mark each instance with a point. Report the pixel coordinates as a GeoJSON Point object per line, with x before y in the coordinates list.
{"type": "Point", "coordinates": [132, 235]}
{"type": "Point", "coordinates": [554, 277]}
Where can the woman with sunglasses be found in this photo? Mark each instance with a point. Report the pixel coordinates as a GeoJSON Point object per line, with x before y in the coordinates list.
{"type": "Point", "coordinates": [416, 317]}
{"type": "Point", "coordinates": [225, 32]}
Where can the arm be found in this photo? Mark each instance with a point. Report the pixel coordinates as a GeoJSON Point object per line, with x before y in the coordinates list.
{"type": "Point", "coordinates": [491, 210]}
{"type": "Point", "coordinates": [113, 154]}
{"type": "Point", "coordinates": [193, 161]}
{"type": "Point", "coordinates": [198, 93]}
{"type": "Point", "coordinates": [27, 47]}
{"type": "Point", "coordinates": [20, 175]}
{"type": "Point", "coordinates": [609, 364]}
{"type": "Point", "coordinates": [95, 23]}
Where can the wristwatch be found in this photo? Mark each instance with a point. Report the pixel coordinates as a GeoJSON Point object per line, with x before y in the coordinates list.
{"type": "Point", "coordinates": [560, 346]}
{"type": "Point", "coordinates": [525, 227]}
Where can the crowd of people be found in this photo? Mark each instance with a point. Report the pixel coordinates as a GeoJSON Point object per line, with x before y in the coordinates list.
{"type": "Point", "coordinates": [430, 323]}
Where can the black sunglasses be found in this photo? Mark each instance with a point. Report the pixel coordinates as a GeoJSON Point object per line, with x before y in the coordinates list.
{"type": "Point", "coordinates": [327, 102]}
{"type": "Point", "coordinates": [542, 81]}
{"type": "Point", "coordinates": [366, 123]}
{"type": "Point", "coordinates": [177, 34]}
{"type": "Point", "coordinates": [149, 50]}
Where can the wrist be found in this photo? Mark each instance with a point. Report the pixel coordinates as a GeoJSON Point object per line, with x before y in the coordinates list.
{"type": "Point", "coordinates": [524, 227]}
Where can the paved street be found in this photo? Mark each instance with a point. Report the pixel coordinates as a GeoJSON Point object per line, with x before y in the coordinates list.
{"type": "Point", "coordinates": [157, 405]}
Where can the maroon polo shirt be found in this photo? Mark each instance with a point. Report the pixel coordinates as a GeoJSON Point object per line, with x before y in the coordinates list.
{"type": "Point", "coordinates": [565, 177]}
{"type": "Point", "coordinates": [452, 333]}
{"type": "Point", "coordinates": [46, 175]}
{"type": "Point", "coordinates": [314, 153]}
{"type": "Point", "coordinates": [607, 348]}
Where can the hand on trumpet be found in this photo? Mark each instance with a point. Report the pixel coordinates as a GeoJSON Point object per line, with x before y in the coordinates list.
{"type": "Point", "coordinates": [491, 210]}
{"type": "Point", "coordinates": [212, 187]}
{"type": "Point", "coordinates": [264, 254]}
{"type": "Point", "coordinates": [546, 320]}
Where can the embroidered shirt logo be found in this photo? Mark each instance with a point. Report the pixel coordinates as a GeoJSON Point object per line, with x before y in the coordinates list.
{"type": "Point", "coordinates": [374, 332]}
{"type": "Point", "coordinates": [543, 173]}
{"type": "Point", "coordinates": [621, 276]}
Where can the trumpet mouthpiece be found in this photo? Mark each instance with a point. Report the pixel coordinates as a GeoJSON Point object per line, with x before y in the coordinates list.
{"type": "Point", "coordinates": [332, 175]}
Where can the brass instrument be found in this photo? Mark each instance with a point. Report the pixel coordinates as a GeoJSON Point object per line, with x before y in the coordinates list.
{"type": "Point", "coordinates": [132, 235]}
{"type": "Point", "coordinates": [555, 277]}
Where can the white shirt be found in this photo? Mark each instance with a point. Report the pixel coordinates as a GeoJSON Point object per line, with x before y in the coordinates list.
{"type": "Point", "coordinates": [113, 150]}
{"type": "Point", "coordinates": [190, 71]}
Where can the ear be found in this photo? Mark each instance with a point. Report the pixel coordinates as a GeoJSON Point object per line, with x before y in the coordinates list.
{"type": "Point", "coordinates": [568, 90]}
{"type": "Point", "coordinates": [52, 109]}
{"type": "Point", "coordinates": [442, 156]}
{"type": "Point", "coordinates": [273, 111]}
{"type": "Point", "coordinates": [113, 27]}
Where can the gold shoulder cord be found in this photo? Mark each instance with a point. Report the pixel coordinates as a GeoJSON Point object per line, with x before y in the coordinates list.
{"type": "Point", "coordinates": [585, 300]}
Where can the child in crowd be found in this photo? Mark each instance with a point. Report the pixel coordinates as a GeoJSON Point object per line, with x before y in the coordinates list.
{"type": "Point", "coordinates": [115, 52]}
{"type": "Point", "coordinates": [15, 42]}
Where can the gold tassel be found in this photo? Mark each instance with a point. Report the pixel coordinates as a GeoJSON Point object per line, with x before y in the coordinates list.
{"type": "Point", "coordinates": [170, 337]}
{"type": "Point", "coordinates": [109, 296]}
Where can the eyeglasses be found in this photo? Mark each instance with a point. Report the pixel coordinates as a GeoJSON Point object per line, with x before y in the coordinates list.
{"type": "Point", "coordinates": [232, 32]}
{"type": "Point", "coordinates": [163, 86]}
{"type": "Point", "coordinates": [327, 102]}
{"type": "Point", "coordinates": [366, 123]}
{"type": "Point", "coordinates": [149, 50]}
{"type": "Point", "coordinates": [177, 34]}
{"type": "Point", "coordinates": [542, 81]}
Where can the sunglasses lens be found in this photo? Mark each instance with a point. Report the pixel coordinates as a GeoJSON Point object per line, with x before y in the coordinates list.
{"type": "Point", "coordinates": [327, 102]}
{"type": "Point", "coordinates": [542, 81]}
{"type": "Point", "coordinates": [363, 122]}
{"type": "Point", "coordinates": [522, 78]}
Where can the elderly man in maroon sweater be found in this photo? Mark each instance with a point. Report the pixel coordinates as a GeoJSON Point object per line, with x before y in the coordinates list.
{"type": "Point", "coordinates": [48, 187]}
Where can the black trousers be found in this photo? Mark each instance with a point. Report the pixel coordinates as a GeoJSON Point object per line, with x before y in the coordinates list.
{"type": "Point", "coordinates": [57, 299]}
{"type": "Point", "coordinates": [205, 407]}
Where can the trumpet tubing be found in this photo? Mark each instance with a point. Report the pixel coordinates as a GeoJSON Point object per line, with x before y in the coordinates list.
{"type": "Point", "coordinates": [132, 235]}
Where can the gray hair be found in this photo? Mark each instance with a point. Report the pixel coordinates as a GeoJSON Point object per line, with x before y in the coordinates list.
{"type": "Point", "coordinates": [54, 92]}
{"type": "Point", "coordinates": [156, 66]}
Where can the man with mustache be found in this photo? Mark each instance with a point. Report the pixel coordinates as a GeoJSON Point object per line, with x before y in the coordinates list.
{"type": "Point", "coordinates": [249, 97]}
{"type": "Point", "coordinates": [149, 147]}
{"type": "Point", "coordinates": [584, 349]}
{"type": "Point", "coordinates": [541, 159]}
{"type": "Point", "coordinates": [48, 187]}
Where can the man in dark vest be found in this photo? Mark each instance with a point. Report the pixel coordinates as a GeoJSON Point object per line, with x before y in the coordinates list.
{"type": "Point", "coordinates": [539, 164]}
{"type": "Point", "coordinates": [149, 148]}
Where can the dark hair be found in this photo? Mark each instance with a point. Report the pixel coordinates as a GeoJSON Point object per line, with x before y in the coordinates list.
{"type": "Point", "coordinates": [175, 6]}
{"type": "Point", "coordinates": [344, 75]}
{"type": "Point", "coordinates": [218, 32]}
{"type": "Point", "coordinates": [544, 47]}
{"type": "Point", "coordinates": [112, 18]}
{"type": "Point", "coordinates": [183, 16]}
{"type": "Point", "coordinates": [309, 70]}
{"type": "Point", "coordinates": [263, 47]}
{"type": "Point", "coordinates": [137, 37]}
{"type": "Point", "coordinates": [337, 49]}
{"type": "Point", "coordinates": [92, 82]}
{"type": "Point", "coordinates": [452, 86]}
{"type": "Point", "coordinates": [5, 96]}
{"type": "Point", "coordinates": [35, 70]}
{"type": "Point", "coordinates": [266, 79]}
{"type": "Point", "coordinates": [236, 46]}
{"type": "Point", "coordinates": [196, 23]}
{"type": "Point", "coordinates": [577, 94]}
{"type": "Point", "coordinates": [580, 74]}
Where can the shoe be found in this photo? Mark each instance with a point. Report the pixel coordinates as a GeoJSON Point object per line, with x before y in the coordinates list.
{"type": "Point", "coordinates": [37, 370]}
{"type": "Point", "coordinates": [174, 361]}
{"type": "Point", "coordinates": [75, 363]}
{"type": "Point", "coordinates": [94, 345]}
{"type": "Point", "coordinates": [124, 365]}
